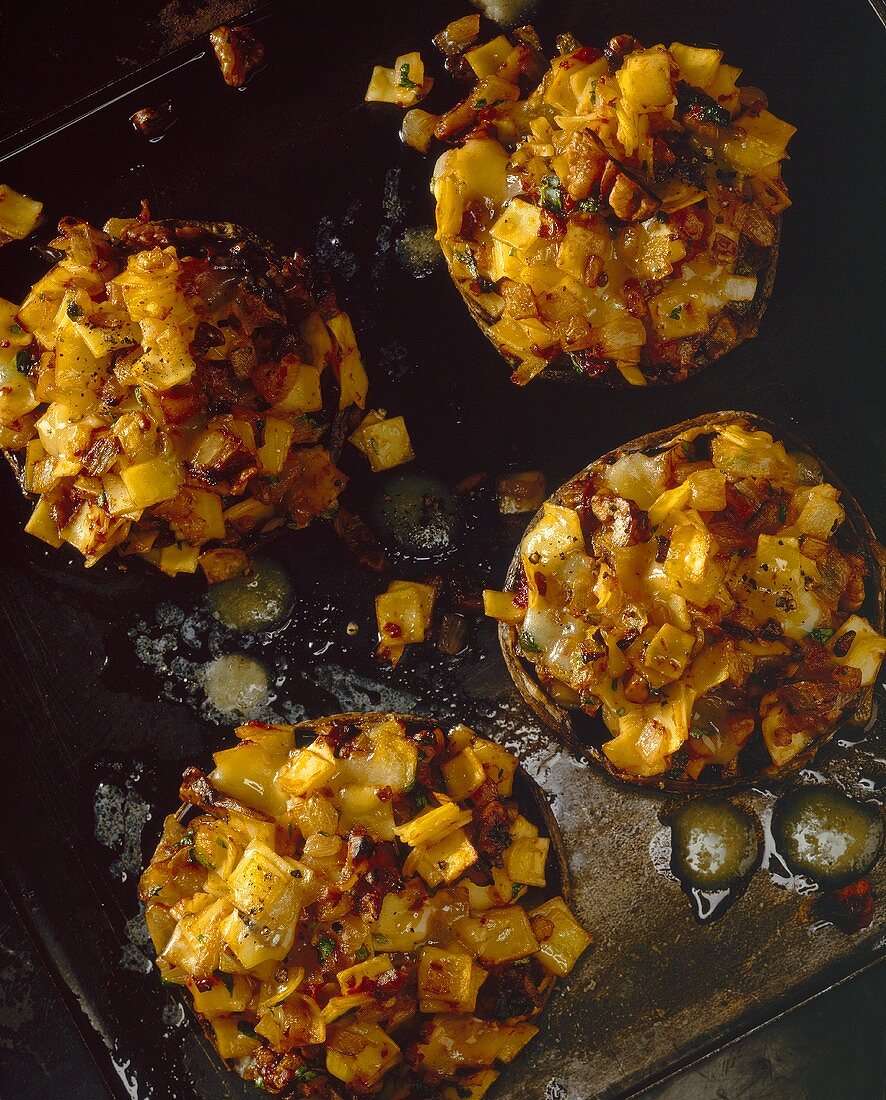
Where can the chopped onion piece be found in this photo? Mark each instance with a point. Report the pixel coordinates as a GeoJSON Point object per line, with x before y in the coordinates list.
{"type": "Point", "coordinates": [741, 288]}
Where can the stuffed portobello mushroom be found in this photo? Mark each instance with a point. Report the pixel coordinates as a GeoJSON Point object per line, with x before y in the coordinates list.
{"type": "Point", "coordinates": [624, 214]}
{"type": "Point", "coordinates": [363, 904]}
{"type": "Point", "coordinates": [700, 607]}
{"type": "Point", "coordinates": [175, 391]}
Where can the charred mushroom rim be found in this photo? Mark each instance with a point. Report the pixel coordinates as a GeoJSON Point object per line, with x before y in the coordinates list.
{"type": "Point", "coordinates": [624, 214]}
{"type": "Point", "coordinates": [362, 903]}
{"type": "Point", "coordinates": [706, 597]}
{"type": "Point", "coordinates": [175, 390]}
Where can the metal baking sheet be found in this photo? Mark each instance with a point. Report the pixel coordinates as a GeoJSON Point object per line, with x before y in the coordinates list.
{"type": "Point", "coordinates": [102, 669]}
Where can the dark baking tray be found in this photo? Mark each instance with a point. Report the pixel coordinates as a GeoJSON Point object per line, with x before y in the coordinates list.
{"type": "Point", "coordinates": [99, 718]}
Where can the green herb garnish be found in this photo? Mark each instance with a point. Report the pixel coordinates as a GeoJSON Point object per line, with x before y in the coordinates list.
{"type": "Point", "coordinates": [550, 191]}
{"type": "Point", "coordinates": [325, 946]}
{"type": "Point", "coordinates": [675, 313]}
{"type": "Point", "coordinates": [527, 643]}
{"type": "Point", "coordinates": [821, 634]}
{"type": "Point", "coordinates": [403, 80]}
{"type": "Point", "coordinates": [362, 953]}
{"type": "Point", "coordinates": [74, 311]}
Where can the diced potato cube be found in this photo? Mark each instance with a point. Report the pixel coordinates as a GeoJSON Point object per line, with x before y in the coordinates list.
{"type": "Point", "coordinates": [230, 1041]}
{"type": "Point", "coordinates": [867, 650]}
{"type": "Point", "coordinates": [502, 606]}
{"type": "Point", "coordinates": [433, 825]}
{"type": "Point", "coordinates": [645, 80]}
{"type": "Point", "coordinates": [463, 774]}
{"type": "Point", "coordinates": [264, 887]}
{"type": "Point", "coordinates": [360, 1053]}
{"type": "Point", "coordinates": [18, 214]}
{"type": "Point", "coordinates": [444, 976]}
{"type": "Point", "coordinates": [247, 772]}
{"type": "Point", "coordinates": [385, 442]}
{"type": "Point", "coordinates": [561, 938]}
{"type": "Point", "coordinates": [301, 390]}
{"type": "Point", "coordinates": [518, 225]}
{"type": "Point", "coordinates": [276, 445]}
{"type": "Point", "coordinates": [671, 500]}
{"type": "Point", "coordinates": [351, 980]}
{"type": "Point", "coordinates": [220, 997]}
{"type": "Point", "coordinates": [498, 764]}
{"type": "Point", "coordinates": [444, 861]}
{"type": "Point", "coordinates": [820, 514]}
{"type": "Point", "coordinates": [457, 1040]}
{"type": "Point", "coordinates": [306, 771]}
{"type": "Point", "coordinates": [360, 805]}
{"type": "Point", "coordinates": [698, 66]}
{"type": "Point", "coordinates": [313, 814]}
{"type": "Point", "coordinates": [557, 532]}
{"type": "Point", "coordinates": [783, 740]}
{"type": "Point", "coordinates": [41, 524]}
{"type": "Point", "coordinates": [151, 482]}
{"type": "Point", "coordinates": [297, 1021]}
{"type": "Point", "coordinates": [486, 59]}
{"type": "Point", "coordinates": [352, 379]}
{"type": "Point", "coordinates": [401, 924]}
{"type": "Point", "coordinates": [525, 860]}
{"type": "Point", "coordinates": [668, 653]}
{"type": "Point", "coordinates": [498, 935]}
{"type": "Point", "coordinates": [247, 947]}
{"type": "Point", "coordinates": [404, 612]}
{"type": "Point", "coordinates": [336, 1007]}
{"type": "Point", "coordinates": [707, 490]}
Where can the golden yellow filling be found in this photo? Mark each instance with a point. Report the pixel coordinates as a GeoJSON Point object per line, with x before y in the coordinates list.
{"type": "Point", "coordinates": [623, 213]}
{"type": "Point", "coordinates": [169, 394]}
{"type": "Point", "coordinates": [350, 909]}
{"type": "Point", "coordinates": [698, 597]}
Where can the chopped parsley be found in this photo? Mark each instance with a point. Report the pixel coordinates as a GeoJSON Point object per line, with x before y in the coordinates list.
{"type": "Point", "coordinates": [305, 1073]}
{"type": "Point", "coordinates": [527, 643]}
{"type": "Point", "coordinates": [516, 887]}
{"type": "Point", "coordinates": [74, 311]}
{"type": "Point", "coordinates": [23, 361]}
{"type": "Point", "coordinates": [325, 947]}
{"type": "Point", "coordinates": [614, 684]}
{"type": "Point", "coordinates": [675, 313]}
{"type": "Point", "coordinates": [362, 953]}
{"type": "Point", "coordinates": [403, 80]}
{"type": "Point", "coordinates": [379, 938]}
{"type": "Point", "coordinates": [782, 512]}
{"type": "Point", "coordinates": [821, 634]}
{"type": "Point", "coordinates": [588, 206]}
{"type": "Point", "coordinates": [688, 446]}
{"type": "Point", "coordinates": [550, 192]}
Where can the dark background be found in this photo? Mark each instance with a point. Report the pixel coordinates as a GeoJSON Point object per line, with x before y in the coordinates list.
{"type": "Point", "coordinates": [52, 54]}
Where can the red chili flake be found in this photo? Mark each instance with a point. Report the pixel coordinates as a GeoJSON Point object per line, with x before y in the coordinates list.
{"type": "Point", "coordinates": [384, 794]}
{"type": "Point", "coordinates": [393, 630]}
{"type": "Point", "coordinates": [521, 591]}
{"type": "Point", "coordinates": [540, 583]}
{"type": "Point", "coordinates": [587, 54]}
{"type": "Point", "coordinates": [851, 908]}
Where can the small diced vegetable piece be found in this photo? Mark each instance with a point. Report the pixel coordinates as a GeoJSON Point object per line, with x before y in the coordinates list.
{"type": "Point", "coordinates": [336, 1007]}
{"type": "Point", "coordinates": [518, 226]}
{"type": "Point", "coordinates": [457, 1040]}
{"type": "Point", "coordinates": [525, 860]}
{"type": "Point", "coordinates": [707, 490]}
{"type": "Point", "coordinates": [698, 66]}
{"type": "Point", "coordinates": [298, 1021]}
{"type": "Point", "coordinates": [247, 772]}
{"type": "Point", "coordinates": [473, 1087]}
{"type": "Point", "coordinates": [352, 379]}
{"type": "Point", "coordinates": [444, 861]}
{"type": "Point", "coordinates": [463, 774]}
{"type": "Point", "coordinates": [351, 980]}
{"type": "Point", "coordinates": [151, 482]}
{"type": "Point", "coordinates": [18, 214]}
{"type": "Point", "coordinates": [433, 825]}
{"type": "Point", "coordinates": [498, 763]}
{"type": "Point", "coordinates": [277, 441]}
{"type": "Point", "coordinates": [230, 1041]}
{"type": "Point", "coordinates": [305, 772]}
{"type": "Point", "coordinates": [498, 935]}
{"type": "Point", "coordinates": [263, 887]}
{"type": "Point", "coordinates": [42, 525]}
{"type": "Point", "coordinates": [866, 651]}
{"type": "Point", "coordinates": [645, 80]}
{"type": "Point", "coordinates": [668, 653]}
{"type": "Point", "coordinates": [486, 59]}
{"type": "Point", "coordinates": [820, 514]}
{"type": "Point", "coordinates": [557, 532]}
{"type": "Point", "coordinates": [360, 1053]}
{"type": "Point", "coordinates": [561, 938]}
{"type": "Point", "coordinates": [220, 997]}
{"type": "Point", "coordinates": [502, 606]}
{"type": "Point", "coordinates": [401, 925]}
{"type": "Point", "coordinates": [444, 976]}
{"type": "Point", "coordinates": [385, 442]}
{"type": "Point", "coordinates": [250, 950]}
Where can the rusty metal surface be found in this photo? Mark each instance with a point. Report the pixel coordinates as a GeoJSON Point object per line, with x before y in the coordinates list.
{"type": "Point", "coordinates": [103, 670]}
